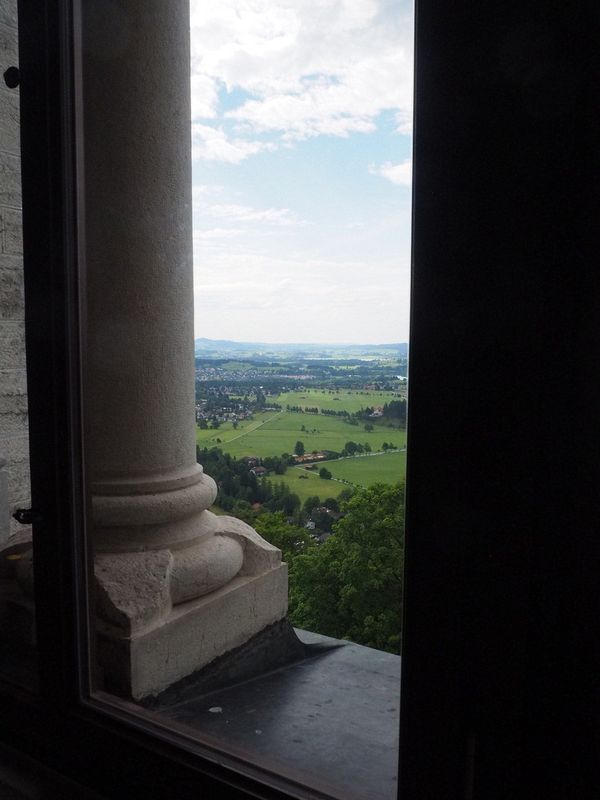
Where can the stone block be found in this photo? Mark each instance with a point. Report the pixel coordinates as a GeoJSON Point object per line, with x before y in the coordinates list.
{"type": "Point", "coordinates": [7, 260]}
{"type": "Point", "coordinates": [8, 14]}
{"type": "Point", "coordinates": [11, 220]}
{"type": "Point", "coordinates": [9, 44]}
{"type": "Point", "coordinates": [13, 392]}
{"type": "Point", "coordinates": [14, 448]}
{"type": "Point", "coordinates": [12, 345]}
{"type": "Point", "coordinates": [4, 505]}
{"type": "Point", "coordinates": [9, 119]}
{"type": "Point", "coordinates": [13, 424]}
{"type": "Point", "coordinates": [12, 295]}
{"type": "Point", "coordinates": [18, 477]}
{"type": "Point", "coordinates": [10, 180]}
{"type": "Point", "coordinates": [193, 635]}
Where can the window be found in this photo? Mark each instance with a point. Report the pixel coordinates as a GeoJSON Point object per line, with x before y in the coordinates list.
{"type": "Point", "coordinates": [501, 586]}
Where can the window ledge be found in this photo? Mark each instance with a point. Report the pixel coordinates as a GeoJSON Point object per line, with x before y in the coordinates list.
{"type": "Point", "coordinates": [330, 721]}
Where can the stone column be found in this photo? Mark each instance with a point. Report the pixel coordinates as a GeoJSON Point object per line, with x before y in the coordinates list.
{"type": "Point", "coordinates": [176, 585]}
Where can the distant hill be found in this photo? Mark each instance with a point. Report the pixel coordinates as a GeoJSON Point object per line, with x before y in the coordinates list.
{"type": "Point", "coordinates": [219, 348]}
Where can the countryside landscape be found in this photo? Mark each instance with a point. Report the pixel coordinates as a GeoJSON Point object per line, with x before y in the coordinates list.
{"type": "Point", "coordinates": [308, 444]}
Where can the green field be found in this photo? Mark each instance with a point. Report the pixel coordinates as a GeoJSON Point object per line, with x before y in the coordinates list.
{"type": "Point", "coordinates": [342, 400]}
{"type": "Point", "coordinates": [273, 433]}
{"type": "Point", "coordinates": [310, 486]}
{"type": "Point", "coordinates": [366, 470]}
{"type": "Point", "coordinates": [358, 471]}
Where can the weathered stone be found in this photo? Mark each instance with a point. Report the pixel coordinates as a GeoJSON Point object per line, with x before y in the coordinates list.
{"type": "Point", "coordinates": [8, 260]}
{"type": "Point", "coordinates": [12, 230]}
{"type": "Point", "coordinates": [15, 449]}
{"type": "Point", "coordinates": [176, 587]}
{"type": "Point", "coordinates": [11, 294]}
{"type": "Point", "coordinates": [13, 424]}
{"type": "Point", "coordinates": [9, 119]}
{"type": "Point", "coordinates": [259, 555]}
{"type": "Point", "coordinates": [195, 634]}
{"type": "Point", "coordinates": [9, 47]}
{"type": "Point", "coordinates": [12, 345]}
{"type": "Point", "coordinates": [133, 589]}
{"type": "Point", "coordinates": [10, 180]}
{"type": "Point", "coordinates": [202, 568]}
{"type": "Point", "coordinates": [4, 513]}
{"type": "Point", "coordinates": [13, 392]}
{"type": "Point", "coordinates": [8, 13]}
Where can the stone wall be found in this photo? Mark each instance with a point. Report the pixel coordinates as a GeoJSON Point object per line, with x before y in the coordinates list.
{"type": "Point", "coordinates": [14, 446]}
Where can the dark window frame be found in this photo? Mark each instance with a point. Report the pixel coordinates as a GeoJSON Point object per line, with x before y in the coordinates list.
{"type": "Point", "coordinates": [500, 596]}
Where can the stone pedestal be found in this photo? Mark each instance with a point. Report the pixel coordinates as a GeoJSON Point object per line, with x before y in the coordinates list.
{"type": "Point", "coordinates": [176, 585]}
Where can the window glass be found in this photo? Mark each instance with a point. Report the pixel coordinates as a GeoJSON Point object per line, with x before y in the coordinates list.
{"type": "Point", "coordinates": [247, 200]}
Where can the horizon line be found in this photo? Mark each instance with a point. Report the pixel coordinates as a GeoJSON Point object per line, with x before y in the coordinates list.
{"type": "Point", "coordinates": [302, 344]}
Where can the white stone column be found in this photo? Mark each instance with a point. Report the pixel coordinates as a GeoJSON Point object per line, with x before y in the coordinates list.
{"type": "Point", "coordinates": [173, 579]}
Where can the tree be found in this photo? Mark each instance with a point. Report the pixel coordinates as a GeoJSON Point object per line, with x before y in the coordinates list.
{"type": "Point", "coordinates": [310, 503]}
{"type": "Point", "coordinates": [290, 539]}
{"type": "Point", "coordinates": [350, 587]}
{"type": "Point", "coordinates": [368, 427]}
{"type": "Point", "coordinates": [203, 425]}
{"type": "Point", "coordinates": [299, 448]}
{"type": "Point", "coordinates": [325, 474]}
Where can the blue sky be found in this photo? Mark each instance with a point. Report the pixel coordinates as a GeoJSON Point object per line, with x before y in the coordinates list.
{"type": "Point", "coordinates": [301, 146]}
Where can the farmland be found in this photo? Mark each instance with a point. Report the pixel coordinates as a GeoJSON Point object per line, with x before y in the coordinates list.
{"type": "Point", "coordinates": [338, 400]}
{"type": "Point", "coordinates": [357, 471]}
{"type": "Point", "coordinates": [367, 470]}
{"type": "Point", "coordinates": [273, 433]}
{"type": "Point", "coordinates": [262, 406]}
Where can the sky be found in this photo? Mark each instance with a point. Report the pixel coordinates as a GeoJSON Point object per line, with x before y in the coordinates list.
{"type": "Point", "coordinates": [301, 153]}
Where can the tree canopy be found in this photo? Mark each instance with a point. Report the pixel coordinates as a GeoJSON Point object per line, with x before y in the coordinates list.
{"type": "Point", "coordinates": [350, 587]}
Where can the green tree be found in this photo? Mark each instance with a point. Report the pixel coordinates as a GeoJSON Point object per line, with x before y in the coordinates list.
{"type": "Point", "coordinates": [368, 427]}
{"type": "Point", "coordinates": [331, 503]}
{"type": "Point", "coordinates": [325, 474]}
{"type": "Point", "coordinates": [290, 539]}
{"type": "Point", "coordinates": [299, 448]}
{"type": "Point", "coordinates": [203, 425]}
{"type": "Point", "coordinates": [350, 587]}
{"type": "Point", "coordinates": [310, 503]}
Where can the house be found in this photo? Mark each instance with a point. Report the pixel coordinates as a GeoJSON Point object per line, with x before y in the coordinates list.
{"type": "Point", "coordinates": [259, 472]}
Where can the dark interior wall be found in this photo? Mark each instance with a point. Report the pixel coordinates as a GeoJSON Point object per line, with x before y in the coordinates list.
{"type": "Point", "coordinates": [502, 549]}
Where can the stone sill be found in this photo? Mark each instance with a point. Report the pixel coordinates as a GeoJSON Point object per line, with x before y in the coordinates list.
{"type": "Point", "coordinates": [330, 722]}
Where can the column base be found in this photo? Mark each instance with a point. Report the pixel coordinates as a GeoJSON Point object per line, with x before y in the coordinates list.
{"type": "Point", "coordinates": [192, 635]}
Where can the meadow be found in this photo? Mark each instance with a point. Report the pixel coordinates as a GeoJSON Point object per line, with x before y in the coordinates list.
{"type": "Point", "coordinates": [357, 471]}
{"type": "Point", "coordinates": [273, 433]}
{"type": "Point", "coordinates": [350, 400]}
{"type": "Point", "coordinates": [367, 470]}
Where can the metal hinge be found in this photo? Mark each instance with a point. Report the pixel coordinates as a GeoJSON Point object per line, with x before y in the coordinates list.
{"type": "Point", "coordinates": [27, 516]}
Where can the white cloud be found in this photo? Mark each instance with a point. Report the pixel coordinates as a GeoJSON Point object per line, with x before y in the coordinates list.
{"type": "Point", "coordinates": [217, 233]}
{"type": "Point", "coordinates": [240, 213]}
{"type": "Point", "coordinates": [205, 96]}
{"type": "Point", "coordinates": [400, 174]}
{"type": "Point", "coordinates": [318, 67]}
{"type": "Point", "coordinates": [257, 296]}
{"type": "Point", "coordinates": [213, 144]}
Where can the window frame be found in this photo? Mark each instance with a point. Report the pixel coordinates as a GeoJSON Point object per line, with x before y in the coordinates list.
{"type": "Point", "coordinates": [529, 576]}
